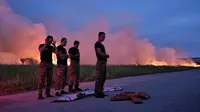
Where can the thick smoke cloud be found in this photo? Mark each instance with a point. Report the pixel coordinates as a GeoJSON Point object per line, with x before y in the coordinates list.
{"type": "Point", "coordinates": [22, 37]}
{"type": "Point", "coordinates": [17, 34]}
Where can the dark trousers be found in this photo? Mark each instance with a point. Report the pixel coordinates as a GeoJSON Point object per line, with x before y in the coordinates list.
{"type": "Point", "coordinates": [100, 76]}
{"type": "Point", "coordinates": [46, 73]}
{"type": "Point", "coordinates": [74, 73]}
{"type": "Point", "coordinates": [61, 77]}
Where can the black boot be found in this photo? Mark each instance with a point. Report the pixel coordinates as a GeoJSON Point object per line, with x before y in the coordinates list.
{"type": "Point", "coordinates": [105, 94]}
{"type": "Point", "coordinates": [76, 88]}
{"type": "Point", "coordinates": [58, 94]}
{"type": "Point", "coordinates": [40, 97]}
{"type": "Point", "coordinates": [98, 94]}
{"type": "Point", "coordinates": [63, 92]}
{"type": "Point", "coordinates": [70, 89]}
{"type": "Point", "coordinates": [48, 93]}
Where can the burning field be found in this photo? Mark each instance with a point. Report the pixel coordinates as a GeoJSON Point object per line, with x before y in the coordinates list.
{"type": "Point", "coordinates": [21, 37]}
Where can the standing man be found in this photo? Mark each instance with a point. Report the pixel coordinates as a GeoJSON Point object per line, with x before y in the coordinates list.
{"type": "Point", "coordinates": [61, 68]}
{"type": "Point", "coordinates": [100, 66]}
{"type": "Point", "coordinates": [46, 65]}
{"type": "Point", "coordinates": [74, 55]}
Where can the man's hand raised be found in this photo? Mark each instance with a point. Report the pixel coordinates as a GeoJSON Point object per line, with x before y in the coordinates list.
{"type": "Point", "coordinates": [54, 43]}
{"type": "Point", "coordinates": [107, 56]}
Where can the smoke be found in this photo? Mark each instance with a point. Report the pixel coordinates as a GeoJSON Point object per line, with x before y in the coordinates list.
{"type": "Point", "coordinates": [21, 37]}
{"type": "Point", "coordinates": [18, 35]}
{"type": "Point", "coordinates": [123, 46]}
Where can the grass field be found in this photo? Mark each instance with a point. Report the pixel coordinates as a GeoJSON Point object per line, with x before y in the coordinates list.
{"type": "Point", "coordinates": [22, 78]}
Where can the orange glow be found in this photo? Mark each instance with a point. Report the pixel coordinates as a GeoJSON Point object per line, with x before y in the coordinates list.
{"type": "Point", "coordinates": [55, 60]}
{"type": "Point", "coordinates": [21, 37]}
{"type": "Point", "coordinates": [68, 61]}
{"type": "Point", "coordinates": [176, 63]}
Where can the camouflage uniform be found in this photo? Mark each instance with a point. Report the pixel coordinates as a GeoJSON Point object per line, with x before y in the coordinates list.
{"type": "Point", "coordinates": [46, 70]}
{"type": "Point", "coordinates": [61, 71]}
{"type": "Point", "coordinates": [74, 69]}
{"type": "Point", "coordinates": [74, 73]}
{"type": "Point", "coordinates": [46, 73]}
{"type": "Point", "coordinates": [61, 77]}
{"type": "Point", "coordinates": [100, 76]}
{"type": "Point", "coordinates": [100, 71]}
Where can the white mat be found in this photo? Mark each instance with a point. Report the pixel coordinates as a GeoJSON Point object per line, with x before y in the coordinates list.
{"type": "Point", "coordinates": [82, 94]}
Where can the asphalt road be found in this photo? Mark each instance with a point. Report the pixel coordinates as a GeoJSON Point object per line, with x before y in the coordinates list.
{"type": "Point", "coordinates": [170, 92]}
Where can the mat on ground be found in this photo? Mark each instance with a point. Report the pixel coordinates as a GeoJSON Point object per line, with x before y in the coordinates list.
{"type": "Point", "coordinates": [135, 97]}
{"type": "Point", "coordinates": [83, 94]}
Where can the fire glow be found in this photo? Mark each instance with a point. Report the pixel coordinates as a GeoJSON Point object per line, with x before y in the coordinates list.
{"type": "Point", "coordinates": [179, 63]}
{"type": "Point", "coordinates": [55, 60]}
{"type": "Point", "coordinates": [124, 45]}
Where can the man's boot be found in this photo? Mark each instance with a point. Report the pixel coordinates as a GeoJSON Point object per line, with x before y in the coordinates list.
{"type": "Point", "coordinates": [104, 94]}
{"type": "Point", "coordinates": [70, 89]}
{"type": "Point", "coordinates": [58, 93]}
{"type": "Point", "coordinates": [40, 97]}
{"type": "Point", "coordinates": [48, 93]}
{"type": "Point", "coordinates": [76, 88]}
{"type": "Point", "coordinates": [98, 94]}
{"type": "Point", "coordinates": [63, 92]}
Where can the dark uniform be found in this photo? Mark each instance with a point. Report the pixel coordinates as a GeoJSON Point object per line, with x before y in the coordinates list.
{"type": "Point", "coordinates": [61, 76]}
{"type": "Point", "coordinates": [100, 69]}
{"type": "Point", "coordinates": [46, 69]}
{"type": "Point", "coordinates": [74, 69]}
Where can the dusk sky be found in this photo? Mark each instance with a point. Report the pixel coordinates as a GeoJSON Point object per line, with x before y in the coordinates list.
{"type": "Point", "coordinates": [173, 23]}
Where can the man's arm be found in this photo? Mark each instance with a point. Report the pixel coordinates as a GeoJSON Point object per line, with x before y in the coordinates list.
{"type": "Point", "coordinates": [41, 48]}
{"type": "Point", "coordinates": [70, 54]}
{"type": "Point", "coordinates": [55, 48]}
{"type": "Point", "coordinates": [100, 52]}
{"type": "Point", "coordinates": [61, 54]}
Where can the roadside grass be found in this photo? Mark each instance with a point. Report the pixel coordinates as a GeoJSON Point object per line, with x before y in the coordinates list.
{"type": "Point", "coordinates": [23, 78]}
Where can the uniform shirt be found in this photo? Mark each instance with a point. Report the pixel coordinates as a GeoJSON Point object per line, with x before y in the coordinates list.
{"type": "Point", "coordinates": [46, 54]}
{"type": "Point", "coordinates": [102, 48]}
{"type": "Point", "coordinates": [74, 51]}
{"type": "Point", "coordinates": [61, 50]}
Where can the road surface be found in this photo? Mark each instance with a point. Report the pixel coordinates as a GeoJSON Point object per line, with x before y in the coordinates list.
{"type": "Point", "coordinates": [170, 92]}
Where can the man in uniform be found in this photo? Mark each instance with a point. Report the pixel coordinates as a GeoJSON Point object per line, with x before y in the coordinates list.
{"type": "Point", "coordinates": [46, 65]}
{"type": "Point", "coordinates": [74, 55]}
{"type": "Point", "coordinates": [61, 68]}
{"type": "Point", "coordinates": [100, 66]}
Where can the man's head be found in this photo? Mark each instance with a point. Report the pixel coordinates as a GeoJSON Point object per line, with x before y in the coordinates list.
{"type": "Point", "coordinates": [49, 39]}
{"type": "Point", "coordinates": [101, 36]}
{"type": "Point", "coordinates": [76, 43]}
{"type": "Point", "coordinates": [63, 41]}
